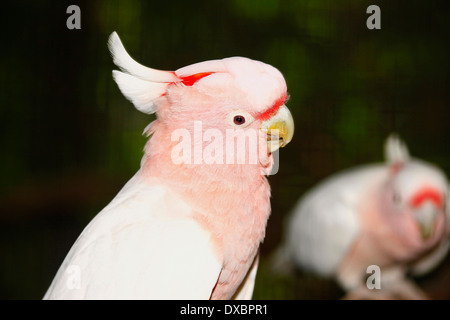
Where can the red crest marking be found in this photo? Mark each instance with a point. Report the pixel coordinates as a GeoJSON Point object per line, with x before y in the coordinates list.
{"type": "Point", "coordinates": [273, 109]}
{"type": "Point", "coordinates": [426, 194]}
{"type": "Point", "coordinates": [190, 80]}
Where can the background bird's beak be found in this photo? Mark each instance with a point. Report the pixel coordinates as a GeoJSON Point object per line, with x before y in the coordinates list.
{"type": "Point", "coordinates": [279, 129]}
{"type": "Point", "coordinates": [426, 216]}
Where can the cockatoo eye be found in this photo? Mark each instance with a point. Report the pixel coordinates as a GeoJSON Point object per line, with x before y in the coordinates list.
{"type": "Point", "coordinates": [238, 120]}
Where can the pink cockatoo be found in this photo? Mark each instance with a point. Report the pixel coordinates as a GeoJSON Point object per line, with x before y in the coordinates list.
{"type": "Point", "coordinates": [188, 225]}
{"type": "Point", "coordinates": [389, 216]}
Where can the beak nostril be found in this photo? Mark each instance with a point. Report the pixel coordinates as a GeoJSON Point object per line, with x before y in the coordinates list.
{"type": "Point", "coordinates": [271, 137]}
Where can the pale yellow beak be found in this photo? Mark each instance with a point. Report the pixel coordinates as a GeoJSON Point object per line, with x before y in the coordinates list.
{"type": "Point", "coordinates": [279, 129]}
{"type": "Point", "coordinates": [426, 216]}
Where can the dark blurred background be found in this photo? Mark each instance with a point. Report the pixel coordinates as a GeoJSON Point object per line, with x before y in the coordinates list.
{"type": "Point", "coordinates": [70, 140]}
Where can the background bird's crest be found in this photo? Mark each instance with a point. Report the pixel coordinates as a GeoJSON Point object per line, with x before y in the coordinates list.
{"type": "Point", "coordinates": [396, 152]}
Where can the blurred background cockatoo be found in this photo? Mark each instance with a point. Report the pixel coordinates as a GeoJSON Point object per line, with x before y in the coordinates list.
{"type": "Point", "coordinates": [392, 216]}
{"type": "Point", "coordinates": [186, 229]}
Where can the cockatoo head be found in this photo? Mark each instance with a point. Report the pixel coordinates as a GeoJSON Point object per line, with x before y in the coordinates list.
{"type": "Point", "coordinates": [416, 194]}
{"type": "Point", "coordinates": [209, 99]}
{"type": "Point", "coordinates": [236, 94]}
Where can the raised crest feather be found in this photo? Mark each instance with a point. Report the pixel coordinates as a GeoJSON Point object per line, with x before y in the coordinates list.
{"type": "Point", "coordinates": [140, 92]}
{"type": "Point", "coordinates": [125, 62]}
{"type": "Point", "coordinates": [139, 84]}
{"type": "Point", "coordinates": [396, 151]}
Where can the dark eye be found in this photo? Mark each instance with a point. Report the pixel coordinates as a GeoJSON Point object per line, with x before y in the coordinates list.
{"type": "Point", "coordinates": [238, 120]}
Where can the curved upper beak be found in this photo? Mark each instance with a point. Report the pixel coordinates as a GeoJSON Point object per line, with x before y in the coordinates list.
{"type": "Point", "coordinates": [279, 129]}
{"type": "Point", "coordinates": [426, 216]}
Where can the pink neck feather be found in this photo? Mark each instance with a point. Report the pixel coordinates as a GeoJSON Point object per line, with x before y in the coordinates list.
{"type": "Point", "coordinates": [230, 200]}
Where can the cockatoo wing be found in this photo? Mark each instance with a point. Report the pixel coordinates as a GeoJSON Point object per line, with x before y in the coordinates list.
{"type": "Point", "coordinates": [325, 223]}
{"type": "Point", "coordinates": [245, 291]}
{"type": "Point", "coordinates": [143, 245]}
{"type": "Point", "coordinates": [125, 62]}
{"type": "Point", "coordinates": [321, 233]}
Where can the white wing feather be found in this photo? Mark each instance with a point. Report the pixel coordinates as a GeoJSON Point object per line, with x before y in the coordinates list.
{"type": "Point", "coordinates": [325, 222]}
{"type": "Point", "coordinates": [321, 234]}
{"type": "Point", "coordinates": [432, 259]}
{"type": "Point", "coordinates": [143, 245]}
